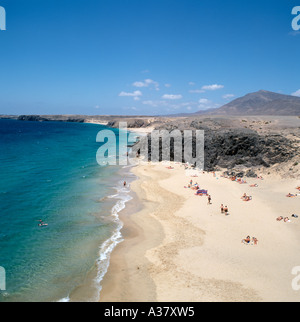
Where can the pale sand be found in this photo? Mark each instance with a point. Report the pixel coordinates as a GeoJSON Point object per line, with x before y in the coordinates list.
{"type": "Point", "coordinates": [92, 121]}
{"type": "Point", "coordinates": [141, 130]}
{"type": "Point", "coordinates": [179, 248]}
{"type": "Point", "coordinates": [137, 130]}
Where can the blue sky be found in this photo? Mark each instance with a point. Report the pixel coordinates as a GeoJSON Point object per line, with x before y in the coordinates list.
{"type": "Point", "coordinates": [143, 57]}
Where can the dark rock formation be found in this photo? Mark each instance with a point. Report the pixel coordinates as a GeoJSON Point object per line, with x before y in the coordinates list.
{"type": "Point", "coordinates": [233, 148]}
{"type": "Point", "coordinates": [55, 118]}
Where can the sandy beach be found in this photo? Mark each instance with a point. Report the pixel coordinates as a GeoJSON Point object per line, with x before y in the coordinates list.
{"type": "Point", "coordinates": [177, 247]}
{"type": "Point", "coordinates": [136, 130]}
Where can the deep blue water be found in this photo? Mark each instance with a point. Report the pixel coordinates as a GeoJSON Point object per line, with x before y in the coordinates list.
{"type": "Point", "coordinates": [49, 172]}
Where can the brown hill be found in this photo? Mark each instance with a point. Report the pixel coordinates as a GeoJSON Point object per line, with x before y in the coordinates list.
{"type": "Point", "coordinates": [259, 103]}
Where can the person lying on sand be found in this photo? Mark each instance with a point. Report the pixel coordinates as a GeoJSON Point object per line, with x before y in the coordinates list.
{"type": "Point", "coordinates": [246, 198]}
{"type": "Point", "coordinates": [286, 219]}
{"type": "Point", "coordinates": [255, 240]}
{"type": "Point", "coordinates": [246, 240]}
{"type": "Point", "coordinates": [294, 215]}
{"type": "Point", "coordinates": [279, 218]}
{"type": "Point", "coordinates": [195, 187]}
{"type": "Point", "coordinates": [254, 185]}
{"type": "Point", "coordinates": [291, 195]}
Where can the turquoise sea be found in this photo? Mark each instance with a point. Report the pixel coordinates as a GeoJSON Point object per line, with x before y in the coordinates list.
{"type": "Point", "coordinates": [49, 172]}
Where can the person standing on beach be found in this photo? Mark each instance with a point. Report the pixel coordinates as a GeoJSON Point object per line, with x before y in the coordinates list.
{"type": "Point", "coordinates": [124, 183]}
{"type": "Point", "coordinates": [226, 211]}
{"type": "Point", "coordinates": [209, 200]}
{"type": "Point", "coordinates": [222, 209]}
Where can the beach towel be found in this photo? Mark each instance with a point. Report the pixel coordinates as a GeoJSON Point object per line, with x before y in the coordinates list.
{"type": "Point", "coordinates": [201, 192]}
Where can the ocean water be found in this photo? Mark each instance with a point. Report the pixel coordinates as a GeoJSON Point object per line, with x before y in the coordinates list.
{"type": "Point", "coordinates": [49, 172]}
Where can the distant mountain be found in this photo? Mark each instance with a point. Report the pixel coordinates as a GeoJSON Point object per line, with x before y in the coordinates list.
{"type": "Point", "coordinates": [259, 103]}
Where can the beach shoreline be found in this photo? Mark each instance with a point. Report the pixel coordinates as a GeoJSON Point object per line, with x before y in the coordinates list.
{"type": "Point", "coordinates": [178, 248]}
{"type": "Point", "coordinates": [136, 130]}
{"type": "Point", "coordinates": [127, 278]}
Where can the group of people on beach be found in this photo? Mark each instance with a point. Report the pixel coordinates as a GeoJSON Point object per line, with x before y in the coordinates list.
{"type": "Point", "coordinates": [194, 186]}
{"type": "Point", "coordinates": [237, 179]}
{"type": "Point", "coordinates": [285, 219]}
{"type": "Point", "coordinates": [248, 239]}
{"type": "Point", "coordinates": [224, 210]}
{"type": "Point", "coordinates": [289, 195]}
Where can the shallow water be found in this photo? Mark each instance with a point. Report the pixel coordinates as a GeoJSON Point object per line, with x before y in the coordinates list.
{"type": "Point", "coordinates": [49, 172]}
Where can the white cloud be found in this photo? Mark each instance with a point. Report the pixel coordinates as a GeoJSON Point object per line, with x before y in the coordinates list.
{"type": "Point", "coordinates": [203, 101]}
{"type": "Point", "coordinates": [205, 88]}
{"type": "Point", "coordinates": [134, 94]}
{"type": "Point", "coordinates": [170, 105]}
{"type": "Point", "coordinates": [297, 93]}
{"type": "Point", "coordinates": [146, 83]}
{"type": "Point", "coordinates": [212, 87]}
{"type": "Point", "coordinates": [208, 105]}
{"type": "Point", "coordinates": [205, 104]}
{"type": "Point", "coordinates": [139, 84]}
{"type": "Point", "coordinates": [172, 97]}
{"type": "Point", "coordinates": [150, 81]}
{"type": "Point", "coordinates": [228, 96]}
{"type": "Point", "coordinates": [151, 103]}
{"type": "Point", "coordinates": [156, 103]}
